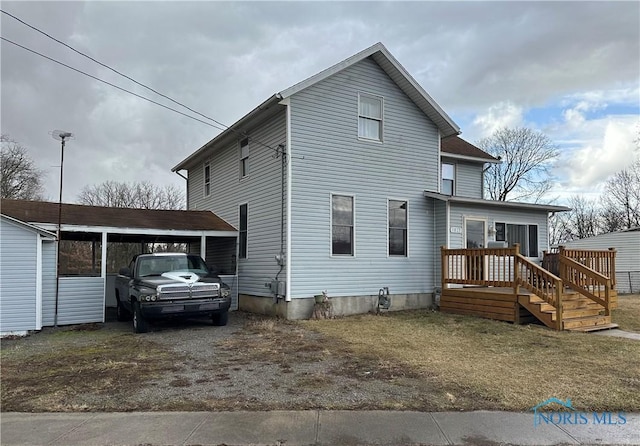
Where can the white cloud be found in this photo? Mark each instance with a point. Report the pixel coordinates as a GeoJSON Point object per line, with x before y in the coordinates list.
{"type": "Point", "coordinates": [594, 150]}
{"type": "Point", "coordinates": [497, 116]}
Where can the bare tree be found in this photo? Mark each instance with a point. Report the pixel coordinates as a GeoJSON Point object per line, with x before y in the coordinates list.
{"type": "Point", "coordinates": [20, 179]}
{"type": "Point", "coordinates": [621, 198]}
{"type": "Point", "coordinates": [140, 195]}
{"type": "Point", "coordinates": [525, 172]}
{"type": "Point", "coordinates": [559, 228]}
{"type": "Point", "coordinates": [584, 218]}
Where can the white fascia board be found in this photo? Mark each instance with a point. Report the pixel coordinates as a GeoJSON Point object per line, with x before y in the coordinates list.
{"type": "Point", "coordinates": [495, 203]}
{"type": "Point", "coordinates": [141, 231]}
{"type": "Point", "coordinates": [468, 158]}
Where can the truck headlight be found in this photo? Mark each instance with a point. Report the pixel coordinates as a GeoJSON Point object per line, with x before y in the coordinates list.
{"type": "Point", "coordinates": [224, 291]}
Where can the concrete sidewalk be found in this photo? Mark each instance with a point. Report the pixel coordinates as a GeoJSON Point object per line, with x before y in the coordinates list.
{"type": "Point", "coordinates": [304, 428]}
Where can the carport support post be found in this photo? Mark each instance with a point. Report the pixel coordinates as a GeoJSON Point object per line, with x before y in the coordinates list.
{"type": "Point", "coordinates": [103, 274]}
{"type": "Point", "coordinates": [203, 247]}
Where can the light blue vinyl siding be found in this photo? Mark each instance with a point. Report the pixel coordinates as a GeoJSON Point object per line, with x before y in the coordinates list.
{"type": "Point", "coordinates": [329, 158]}
{"type": "Point", "coordinates": [459, 212]}
{"type": "Point", "coordinates": [48, 282]}
{"type": "Point", "coordinates": [440, 234]}
{"type": "Point", "coordinates": [261, 190]}
{"type": "Point", "coordinates": [18, 261]}
{"type": "Point", "coordinates": [468, 181]}
{"type": "Point", "coordinates": [81, 300]}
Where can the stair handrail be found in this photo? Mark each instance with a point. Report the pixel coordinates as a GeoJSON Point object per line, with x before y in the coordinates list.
{"type": "Point", "coordinates": [541, 283]}
{"type": "Point", "coordinates": [581, 278]}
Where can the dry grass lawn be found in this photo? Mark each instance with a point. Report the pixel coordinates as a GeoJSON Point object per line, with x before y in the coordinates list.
{"type": "Point", "coordinates": [507, 367]}
{"type": "Point", "coordinates": [627, 316]}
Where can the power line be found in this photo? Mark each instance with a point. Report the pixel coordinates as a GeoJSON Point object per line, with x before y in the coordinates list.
{"type": "Point", "coordinates": [136, 82]}
{"type": "Point", "coordinates": [109, 83]}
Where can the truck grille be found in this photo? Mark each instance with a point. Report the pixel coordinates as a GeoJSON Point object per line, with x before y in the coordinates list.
{"type": "Point", "coordinates": [195, 291]}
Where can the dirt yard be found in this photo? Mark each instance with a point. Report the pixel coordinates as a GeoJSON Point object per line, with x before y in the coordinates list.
{"type": "Point", "coordinates": [409, 360]}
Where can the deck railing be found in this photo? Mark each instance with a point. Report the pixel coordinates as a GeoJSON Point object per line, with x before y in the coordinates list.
{"type": "Point", "coordinates": [586, 281]}
{"type": "Point", "coordinates": [603, 262]}
{"type": "Point", "coordinates": [501, 267]}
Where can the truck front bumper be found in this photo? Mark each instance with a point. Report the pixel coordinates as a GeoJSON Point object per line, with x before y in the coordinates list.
{"type": "Point", "coordinates": [184, 308]}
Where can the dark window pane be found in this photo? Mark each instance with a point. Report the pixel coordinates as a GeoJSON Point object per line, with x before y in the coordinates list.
{"type": "Point", "coordinates": [501, 235]}
{"type": "Point", "coordinates": [397, 242]}
{"type": "Point", "coordinates": [242, 236]}
{"type": "Point", "coordinates": [342, 240]}
{"type": "Point", "coordinates": [533, 240]}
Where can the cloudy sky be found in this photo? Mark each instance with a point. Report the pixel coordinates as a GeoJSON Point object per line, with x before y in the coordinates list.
{"type": "Point", "coordinates": [571, 70]}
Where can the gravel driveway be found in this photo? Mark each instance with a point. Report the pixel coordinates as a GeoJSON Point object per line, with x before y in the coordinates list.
{"type": "Point", "coordinates": [253, 363]}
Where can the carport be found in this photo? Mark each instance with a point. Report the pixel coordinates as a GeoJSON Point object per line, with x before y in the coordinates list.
{"type": "Point", "coordinates": [85, 290]}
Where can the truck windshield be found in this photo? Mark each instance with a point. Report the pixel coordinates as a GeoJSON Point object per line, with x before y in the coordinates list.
{"type": "Point", "coordinates": [157, 265]}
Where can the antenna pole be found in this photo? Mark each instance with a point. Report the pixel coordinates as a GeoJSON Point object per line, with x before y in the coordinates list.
{"type": "Point", "coordinates": [62, 137]}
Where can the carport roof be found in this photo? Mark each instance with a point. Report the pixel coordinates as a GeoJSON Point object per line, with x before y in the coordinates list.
{"type": "Point", "coordinates": [45, 212]}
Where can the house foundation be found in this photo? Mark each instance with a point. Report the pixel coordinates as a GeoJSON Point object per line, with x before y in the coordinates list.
{"type": "Point", "coordinates": [302, 308]}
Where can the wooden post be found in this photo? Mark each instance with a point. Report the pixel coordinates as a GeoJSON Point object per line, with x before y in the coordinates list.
{"type": "Point", "coordinates": [516, 270]}
{"type": "Point", "coordinates": [607, 307]}
{"type": "Point", "coordinates": [613, 268]}
{"type": "Point", "coordinates": [444, 268]}
{"type": "Point", "coordinates": [559, 325]}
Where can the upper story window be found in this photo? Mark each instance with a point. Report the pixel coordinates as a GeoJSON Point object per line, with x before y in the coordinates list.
{"type": "Point", "coordinates": [448, 179]}
{"type": "Point", "coordinates": [207, 179]}
{"type": "Point", "coordinates": [397, 228]}
{"type": "Point", "coordinates": [242, 232]}
{"type": "Point", "coordinates": [342, 217]}
{"type": "Point", "coordinates": [525, 235]}
{"type": "Point", "coordinates": [370, 117]}
{"type": "Point", "coordinates": [244, 157]}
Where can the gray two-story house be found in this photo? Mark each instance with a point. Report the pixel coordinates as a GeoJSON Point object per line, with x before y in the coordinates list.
{"type": "Point", "coordinates": [349, 182]}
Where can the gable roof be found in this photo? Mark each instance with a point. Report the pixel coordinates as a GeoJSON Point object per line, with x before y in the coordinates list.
{"type": "Point", "coordinates": [36, 212]}
{"type": "Point", "coordinates": [381, 56]}
{"type": "Point", "coordinates": [27, 226]}
{"type": "Point", "coordinates": [457, 147]}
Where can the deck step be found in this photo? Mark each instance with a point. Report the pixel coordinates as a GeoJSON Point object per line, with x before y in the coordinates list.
{"type": "Point", "coordinates": [595, 328]}
{"type": "Point", "coordinates": [586, 321]}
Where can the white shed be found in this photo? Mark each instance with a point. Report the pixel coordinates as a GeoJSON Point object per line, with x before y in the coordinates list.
{"type": "Point", "coordinates": [27, 275]}
{"type": "Point", "coordinates": [627, 246]}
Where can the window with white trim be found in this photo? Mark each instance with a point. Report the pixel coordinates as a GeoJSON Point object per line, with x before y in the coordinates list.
{"type": "Point", "coordinates": [342, 217]}
{"type": "Point", "coordinates": [207, 179]}
{"type": "Point", "coordinates": [244, 157]}
{"type": "Point", "coordinates": [397, 228]}
{"type": "Point", "coordinates": [525, 235]}
{"type": "Point", "coordinates": [370, 117]}
{"type": "Point", "coordinates": [242, 231]}
{"type": "Point", "coordinates": [448, 179]}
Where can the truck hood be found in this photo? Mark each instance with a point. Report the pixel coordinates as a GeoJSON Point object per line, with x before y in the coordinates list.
{"type": "Point", "coordinates": [154, 281]}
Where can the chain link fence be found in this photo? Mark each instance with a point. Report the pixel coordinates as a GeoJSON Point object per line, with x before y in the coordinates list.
{"type": "Point", "coordinates": [628, 282]}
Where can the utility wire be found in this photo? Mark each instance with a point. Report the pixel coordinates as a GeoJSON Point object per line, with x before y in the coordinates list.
{"type": "Point", "coordinates": [109, 83]}
{"type": "Point", "coordinates": [135, 81]}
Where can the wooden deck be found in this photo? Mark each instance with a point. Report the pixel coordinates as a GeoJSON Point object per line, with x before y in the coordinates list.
{"type": "Point", "coordinates": [503, 285]}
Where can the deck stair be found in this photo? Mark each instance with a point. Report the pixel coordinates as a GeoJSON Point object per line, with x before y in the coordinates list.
{"type": "Point", "coordinates": [572, 289]}
{"type": "Point", "coordinates": [579, 313]}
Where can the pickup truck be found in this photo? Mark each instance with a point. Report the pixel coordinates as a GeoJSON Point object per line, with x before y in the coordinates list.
{"type": "Point", "coordinates": [163, 285]}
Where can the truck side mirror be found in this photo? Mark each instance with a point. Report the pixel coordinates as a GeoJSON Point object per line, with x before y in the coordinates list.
{"type": "Point", "coordinates": [125, 272]}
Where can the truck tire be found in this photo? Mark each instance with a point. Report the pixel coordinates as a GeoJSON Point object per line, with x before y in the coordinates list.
{"type": "Point", "coordinates": [122, 315]}
{"type": "Point", "coordinates": [220, 319]}
{"type": "Point", "coordinates": [139, 324]}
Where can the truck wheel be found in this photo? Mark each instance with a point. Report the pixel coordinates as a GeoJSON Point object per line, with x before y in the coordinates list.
{"type": "Point", "coordinates": [122, 315]}
{"type": "Point", "coordinates": [139, 324]}
{"type": "Point", "coordinates": [220, 319]}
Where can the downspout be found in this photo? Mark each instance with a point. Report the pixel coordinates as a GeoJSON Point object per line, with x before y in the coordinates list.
{"type": "Point", "coordinates": [287, 296]}
{"type": "Point", "coordinates": [187, 187]}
